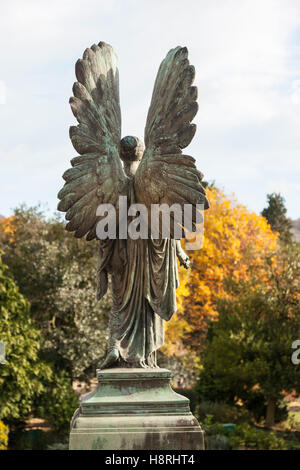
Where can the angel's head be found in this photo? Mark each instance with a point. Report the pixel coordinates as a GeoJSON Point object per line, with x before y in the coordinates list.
{"type": "Point", "coordinates": [132, 150]}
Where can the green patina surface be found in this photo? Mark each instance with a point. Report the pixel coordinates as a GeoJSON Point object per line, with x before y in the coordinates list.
{"type": "Point", "coordinates": [143, 270]}
{"type": "Point", "coordinates": [135, 409]}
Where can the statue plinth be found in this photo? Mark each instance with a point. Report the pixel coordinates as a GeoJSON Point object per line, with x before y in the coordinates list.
{"type": "Point", "coordinates": [135, 409]}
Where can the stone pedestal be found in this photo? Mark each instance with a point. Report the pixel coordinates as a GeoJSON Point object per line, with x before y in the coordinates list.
{"type": "Point", "coordinates": [135, 409]}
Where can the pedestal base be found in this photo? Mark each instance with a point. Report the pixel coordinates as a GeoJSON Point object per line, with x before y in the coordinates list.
{"type": "Point", "coordinates": [135, 409]}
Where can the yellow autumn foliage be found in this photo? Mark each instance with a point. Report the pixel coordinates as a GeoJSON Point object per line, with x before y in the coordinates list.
{"type": "Point", "coordinates": [7, 228]}
{"type": "Point", "coordinates": [235, 241]}
{"type": "Point", "coordinates": [3, 436]}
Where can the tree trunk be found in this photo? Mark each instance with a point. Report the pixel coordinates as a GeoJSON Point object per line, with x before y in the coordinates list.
{"type": "Point", "coordinates": [270, 416]}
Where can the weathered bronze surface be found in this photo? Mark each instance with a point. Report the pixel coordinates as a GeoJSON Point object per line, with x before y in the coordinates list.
{"type": "Point", "coordinates": [134, 409]}
{"type": "Point", "coordinates": [144, 271]}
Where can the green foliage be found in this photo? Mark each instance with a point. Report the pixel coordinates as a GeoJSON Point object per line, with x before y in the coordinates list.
{"type": "Point", "coordinates": [275, 213]}
{"type": "Point", "coordinates": [67, 332]}
{"type": "Point", "coordinates": [250, 437]}
{"type": "Point", "coordinates": [218, 442]}
{"type": "Point", "coordinates": [221, 412]}
{"type": "Point", "coordinates": [22, 375]}
{"type": "Point", "coordinates": [4, 430]}
{"type": "Point", "coordinates": [292, 444]}
{"type": "Point", "coordinates": [219, 437]}
{"type": "Point", "coordinates": [58, 403]}
{"type": "Point", "coordinates": [216, 435]}
{"type": "Point", "coordinates": [36, 439]}
{"type": "Point", "coordinates": [57, 274]}
{"type": "Point", "coordinates": [248, 353]}
{"type": "Point", "coordinates": [78, 333]}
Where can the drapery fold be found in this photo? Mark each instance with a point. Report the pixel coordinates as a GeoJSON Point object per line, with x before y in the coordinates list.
{"type": "Point", "coordinates": [144, 280]}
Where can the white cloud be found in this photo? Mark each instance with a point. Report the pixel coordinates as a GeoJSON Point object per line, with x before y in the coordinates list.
{"type": "Point", "coordinates": [295, 92]}
{"type": "Point", "coordinates": [2, 92]}
{"type": "Point", "coordinates": [247, 72]}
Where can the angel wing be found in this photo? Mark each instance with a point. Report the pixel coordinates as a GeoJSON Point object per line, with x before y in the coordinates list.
{"type": "Point", "coordinates": [96, 175]}
{"type": "Point", "coordinates": [165, 175]}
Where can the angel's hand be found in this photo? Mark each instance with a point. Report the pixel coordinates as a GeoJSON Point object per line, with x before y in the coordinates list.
{"type": "Point", "coordinates": [183, 259]}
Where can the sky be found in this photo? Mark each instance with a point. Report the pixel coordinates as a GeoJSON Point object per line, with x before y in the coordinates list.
{"type": "Point", "coordinates": [247, 60]}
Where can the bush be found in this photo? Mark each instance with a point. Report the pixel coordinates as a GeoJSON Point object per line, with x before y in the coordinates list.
{"type": "Point", "coordinates": [218, 442]}
{"type": "Point", "coordinates": [3, 436]}
{"type": "Point", "coordinates": [219, 437]}
{"type": "Point", "coordinates": [59, 402]}
{"type": "Point", "coordinates": [221, 412]}
{"type": "Point", "coordinates": [216, 436]}
{"type": "Point", "coordinates": [36, 439]}
{"type": "Point", "coordinates": [250, 437]}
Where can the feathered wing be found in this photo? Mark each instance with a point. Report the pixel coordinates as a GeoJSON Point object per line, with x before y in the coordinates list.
{"type": "Point", "coordinates": [165, 175]}
{"type": "Point", "coordinates": [96, 175]}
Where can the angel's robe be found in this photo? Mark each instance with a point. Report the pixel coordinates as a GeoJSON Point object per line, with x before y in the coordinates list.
{"type": "Point", "coordinates": [144, 280]}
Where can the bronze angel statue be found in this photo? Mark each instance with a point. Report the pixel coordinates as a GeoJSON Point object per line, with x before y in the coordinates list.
{"type": "Point", "coordinates": [143, 272]}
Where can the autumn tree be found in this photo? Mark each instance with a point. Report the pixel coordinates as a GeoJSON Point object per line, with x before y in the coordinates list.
{"type": "Point", "coordinates": [4, 431]}
{"type": "Point", "coordinates": [275, 213]}
{"type": "Point", "coordinates": [235, 242]}
{"type": "Point", "coordinates": [248, 353]}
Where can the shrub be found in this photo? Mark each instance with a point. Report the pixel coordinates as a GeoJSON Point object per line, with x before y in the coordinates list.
{"type": "Point", "coordinates": [250, 437]}
{"type": "Point", "coordinates": [218, 442]}
{"type": "Point", "coordinates": [219, 437]}
{"type": "Point", "coordinates": [221, 412]}
{"type": "Point", "coordinates": [59, 402]}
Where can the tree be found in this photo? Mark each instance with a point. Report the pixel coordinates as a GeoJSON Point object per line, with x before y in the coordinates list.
{"type": "Point", "coordinates": [57, 274]}
{"type": "Point", "coordinates": [275, 213]}
{"type": "Point", "coordinates": [248, 352]}
{"type": "Point", "coordinates": [79, 328]}
{"type": "Point", "coordinates": [235, 242]}
{"type": "Point", "coordinates": [23, 374]}
{"type": "Point", "coordinates": [58, 402]}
